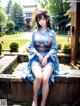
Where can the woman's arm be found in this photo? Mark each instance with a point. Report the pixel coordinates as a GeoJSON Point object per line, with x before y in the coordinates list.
{"type": "Point", "coordinates": [53, 49]}
{"type": "Point", "coordinates": [32, 50]}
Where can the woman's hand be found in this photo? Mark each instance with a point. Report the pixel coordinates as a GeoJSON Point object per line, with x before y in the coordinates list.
{"type": "Point", "coordinates": [40, 56]}
{"type": "Point", "coordinates": [44, 61]}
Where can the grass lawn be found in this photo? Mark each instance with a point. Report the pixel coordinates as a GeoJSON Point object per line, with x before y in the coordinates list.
{"type": "Point", "coordinates": [63, 39]}
{"type": "Point", "coordinates": [7, 43]}
{"type": "Point", "coordinates": [7, 39]}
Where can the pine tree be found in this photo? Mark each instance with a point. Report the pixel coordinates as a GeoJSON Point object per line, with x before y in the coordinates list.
{"type": "Point", "coordinates": [9, 8]}
{"type": "Point", "coordinates": [17, 16]}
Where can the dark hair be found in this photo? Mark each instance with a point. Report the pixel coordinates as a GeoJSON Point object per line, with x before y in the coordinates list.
{"type": "Point", "coordinates": [46, 16]}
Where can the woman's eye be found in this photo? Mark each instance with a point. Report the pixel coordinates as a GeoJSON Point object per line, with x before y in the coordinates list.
{"type": "Point", "coordinates": [44, 19]}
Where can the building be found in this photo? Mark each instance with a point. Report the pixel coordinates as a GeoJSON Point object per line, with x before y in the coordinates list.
{"type": "Point", "coordinates": [28, 11]}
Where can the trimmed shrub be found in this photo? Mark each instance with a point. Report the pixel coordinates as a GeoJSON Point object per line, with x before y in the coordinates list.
{"type": "Point", "coordinates": [59, 46]}
{"type": "Point", "coordinates": [10, 27]}
{"type": "Point", "coordinates": [0, 48]}
{"type": "Point", "coordinates": [14, 47]}
{"type": "Point", "coordinates": [66, 49]}
{"type": "Point", "coordinates": [2, 33]}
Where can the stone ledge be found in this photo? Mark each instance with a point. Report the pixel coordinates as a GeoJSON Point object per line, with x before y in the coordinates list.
{"type": "Point", "coordinates": [68, 78]}
{"type": "Point", "coordinates": [1, 56]}
{"type": "Point", "coordinates": [6, 62]}
{"type": "Point", "coordinates": [63, 58]}
{"type": "Point", "coordinates": [63, 55]}
{"type": "Point", "coordinates": [64, 90]}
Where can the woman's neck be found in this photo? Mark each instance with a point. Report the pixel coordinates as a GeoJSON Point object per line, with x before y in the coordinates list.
{"type": "Point", "coordinates": [44, 28]}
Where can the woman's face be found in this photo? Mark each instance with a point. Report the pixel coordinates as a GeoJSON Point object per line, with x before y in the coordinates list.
{"type": "Point", "coordinates": [42, 22]}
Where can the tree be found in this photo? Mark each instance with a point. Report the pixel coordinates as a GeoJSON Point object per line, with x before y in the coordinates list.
{"type": "Point", "coordinates": [9, 8]}
{"type": "Point", "coordinates": [57, 9]}
{"type": "Point", "coordinates": [33, 23]}
{"type": "Point", "coordinates": [3, 18]}
{"type": "Point", "coordinates": [17, 16]}
{"type": "Point", "coordinates": [43, 3]}
{"type": "Point", "coordinates": [0, 3]}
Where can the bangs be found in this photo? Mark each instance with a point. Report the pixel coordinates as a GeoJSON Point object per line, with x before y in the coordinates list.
{"type": "Point", "coordinates": [40, 15]}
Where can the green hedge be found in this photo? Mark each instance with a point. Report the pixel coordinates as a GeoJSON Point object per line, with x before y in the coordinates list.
{"type": "Point", "coordinates": [0, 48]}
{"type": "Point", "coordinates": [14, 47]}
{"type": "Point", "coordinates": [66, 49]}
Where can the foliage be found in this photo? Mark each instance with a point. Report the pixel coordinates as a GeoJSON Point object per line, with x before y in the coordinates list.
{"type": "Point", "coordinates": [21, 30]}
{"type": "Point", "coordinates": [57, 9]}
{"type": "Point", "coordinates": [14, 47]}
{"type": "Point", "coordinates": [9, 7]}
{"type": "Point", "coordinates": [10, 26]}
{"type": "Point", "coordinates": [59, 46]}
{"type": "Point", "coordinates": [33, 23]}
{"type": "Point", "coordinates": [17, 16]}
{"type": "Point", "coordinates": [69, 13]}
{"type": "Point", "coordinates": [3, 16]}
{"type": "Point", "coordinates": [62, 39]}
{"type": "Point", "coordinates": [44, 3]}
{"type": "Point", "coordinates": [0, 48]}
{"type": "Point", "coordinates": [66, 49]}
{"type": "Point", "coordinates": [2, 33]}
{"type": "Point", "coordinates": [7, 43]}
{"type": "Point", "coordinates": [3, 19]}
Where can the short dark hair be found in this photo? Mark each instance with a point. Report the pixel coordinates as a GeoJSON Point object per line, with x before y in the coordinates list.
{"type": "Point", "coordinates": [46, 16]}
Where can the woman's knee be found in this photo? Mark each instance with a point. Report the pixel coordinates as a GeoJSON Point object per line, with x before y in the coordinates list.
{"type": "Point", "coordinates": [45, 80]}
{"type": "Point", "coordinates": [39, 78]}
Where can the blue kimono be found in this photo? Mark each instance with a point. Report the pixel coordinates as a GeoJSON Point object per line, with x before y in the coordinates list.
{"type": "Point", "coordinates": [44, 43]}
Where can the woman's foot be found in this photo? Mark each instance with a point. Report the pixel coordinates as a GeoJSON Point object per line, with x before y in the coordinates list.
{"type": "Point", "coordinates": [34, 103]}
{"type": "Point", "coordinates": [43, 104]}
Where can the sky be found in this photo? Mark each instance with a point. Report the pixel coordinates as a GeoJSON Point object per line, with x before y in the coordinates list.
{"type": "Point", "coordinates": [23, 2]}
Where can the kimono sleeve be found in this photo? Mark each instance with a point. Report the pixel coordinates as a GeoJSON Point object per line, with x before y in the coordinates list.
{"type": "Point", "coordinates": [31, 47]}
{"type": "Point", "coordinates": [53, 53]}
{"type": "Point", "coordinates": [53, 49]}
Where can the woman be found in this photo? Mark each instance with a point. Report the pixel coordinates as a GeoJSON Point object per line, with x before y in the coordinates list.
{"type": "Point", "coordinates": [43, 60]}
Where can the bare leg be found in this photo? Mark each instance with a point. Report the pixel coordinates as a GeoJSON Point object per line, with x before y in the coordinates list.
{"type": "Point", "coordinates": [36, 69]}
{"type": "Point", "coordinates": [45, 86]}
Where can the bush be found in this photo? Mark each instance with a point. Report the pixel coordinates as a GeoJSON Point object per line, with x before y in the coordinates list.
{"type": "Point", "coordinates": [66, 49]}
{"type": "Point", "coordinates": [10, 26]}
{"type": "Point", "coordinates": [2, 33]}
{"type": "Point", "coordinates": [14, 47]}
{"type": "Point", "coordinates": [59, 46]}
{"type": "Point", "coordinates": [21, 30]}
{"type": "Point", "coordinates": [0, 48]}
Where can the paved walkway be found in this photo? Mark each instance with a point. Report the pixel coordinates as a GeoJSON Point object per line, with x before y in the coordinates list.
{"type": "Point", "coordinates": [27, 36]}
{"type": "Point", "coordinates": [22, 48]}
